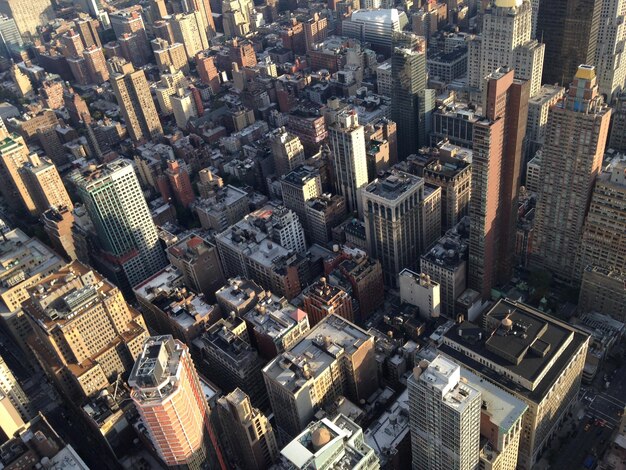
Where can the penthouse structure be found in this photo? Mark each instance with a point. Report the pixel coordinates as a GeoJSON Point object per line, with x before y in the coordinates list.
{"type": "Point", "coordinates": [222, 207]}
{"type": "Point", "coordinates": [329, 443]}
{"type": "Point", "coordinates": [336, 358]}
{"type": "Point", "coordinates": [534, 357]}
{"type": "Point", "coordinates": [225, 356]}
{"type": "Point", "coordinates": [402, 218]}
{"type": "Point", "coordinates": [168, 395]}
{"type": "Point", "coordinates": [24, 262]}
{"type": "Point", "coordinates": [275, 325]}
{"type": "Point", "coordinates": [86, 334]}
{"type": "Point", "coordinates": [455, 123]}
{"type": "Point", "coordinates": [169, 307]}
{"type": "Point", "coordinates": [375, 27]}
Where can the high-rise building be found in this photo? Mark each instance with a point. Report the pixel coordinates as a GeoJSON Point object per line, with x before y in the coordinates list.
{"type": "Point", "coordinates": [287, 151]}
{"type": "Point", "coordinates": [347, 143]}
{"type": "Point", "coordinates": [96, 65]}
{"type": "Point", "coordinates": [199, 262]}
{"type": "Point", "coordinates": [88, 30]}
{"type": "Point", "coordinates": [315, 30]}
{"type": "Point", "coordinates": [421, 291]}
{"type": "Point", "coordinates": [13, 155]}
{"type": "Point", "coordinates": [444, 417]}
{"type": "Point", "coordinates": [572, 155]}
{"type": "Point", "coordinates": [22, 81]}
{"type": "Point", "coordinates": [100, 343]}
{"type": "Point", "coordinates": [496, 172]}
{"type": "Point", "coordinates": [168, 395]}
{"type": "Point", "coordinates": [237, 17]}
{"type": "Point", "coordinates": [170, 82]}
{"type": "Point", "coordinates": [402, 219]}
{"type": "Point", "coordinates": [299, 186]}
{"type": "Point", "coordinates": [184, 107]}
{"type": "Point", "coordinates": [618, 124]}
{"type": "Point", "coordinates": [336, 358]}
{"type": "Point", "coordinates": [603, 290]}
{"type": "Point", "coordinates": [120, 214]}
{"type": "Point", "coordinates": [322, 299]}
{"type": "Point", "coordinates": [57, 223]}
{"type": "Point", "coordinates": [610, 54]}
{"type": "Point", "coordinates": [505, 41]}
{"type": "Point", "coordinates": [72, 44]}
{"type": "Point", "coordinates": [28, 15]}
{"type": "Point", "coordinates": [411, 102]}
{"type": "Point", "coordinates": [376, 27]}
{"type": "Point", "coordinates": [206, 15]}
{"type": "Point", "coordinates": [180, 183]}
{"type": "Point", "coordinates": [44, 184]}
{"type": "Point", "coordinates": [133, 95]}
{"type": "Point", "coordinates": [188, 29]}
{"type": "Point", "coordinates": [324, 213]}
{"type": "Point", "coordinates": [603, 242]}
{"type": "Point", "coordinates": [205, 64]}
{"type": "Point", "coordinates": [504, 350]}
{"type": "Point", "coordinates": [10, 388]}
{"type": "Point", "coordinates": [569, 29]}
{"type": "Point", "coordinates": [10, 38]}
{"type": "Point", "coordinates": [538, 108]}
{"type": "Point", "coordinates": [248, 432]}
{"type": "Point", "coordinates": [169, 55]}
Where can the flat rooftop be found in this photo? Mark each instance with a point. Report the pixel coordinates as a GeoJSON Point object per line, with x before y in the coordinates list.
{"type": "Point", "coordinates": [393, 185]}
{"type": "Point", "coordinates": [327, 341]}
{"type": "Point", "coordinates": [528, 343]}
{"type": "Point", "coordinates": [451, 250]}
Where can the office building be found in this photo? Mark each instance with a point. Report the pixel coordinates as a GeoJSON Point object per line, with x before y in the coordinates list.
{"type": "Point", "coordinates": [10, 38]}
{"type": "Point", "coordinates": [237, 17]}
{"type": "Point", "coordinates": [221, 206]}
{"type": "Point", "coordinates": [287, 151]}
{"type": "Point", "coordinates": [12, 390]}
{"type": "Point", "coordinates": [538, 109]}
{"type": "Point", "coordinates": [347, 143]}
{"type": "Point", "coordinates": [121, 217]}
{"type": "Point", "coordinates": [421, 291]}
{"type": "Point", "coordinates": [57, 223]}
{"type": "Point", "coordinates": [411, 102]}
{"type": "Point", "coordinates": [225, 356]}
{"type": "Point", "coordinates": [335, 359]}
{"type": "Point", "coordinates": [322, 299]}
{"type": "Point", "coordinates": [26, 262]}
{"type": "Point", "coordinates": [505, 41]}
{"type": "Point", "coordinates": [446, 263]}
{"type": "Point", "coordinates": [13, 155]}
{"type": "Point", "coordinates": [329, 443]}
{"type": "Point", "coordinates": [86, 335]}
{"type": "Point", "coordinates": [323, 213]}
{"type": "Point", "coordinates": [168, 395]}
{"type": "Point", "coordinates": [569, 29]}
{"type": "Point", "coordinates": [397, 237]}
{"type": "Point", "coordinates": [239, 296]}
{"type": "Point", "coordinates": [169, 307]}
{"type": "Point", "coordinates": [169, 55]}
{"type": "Point", "coordinates": [247, 430]}
{"type": "Point", "coordinates": [188, 29]}
{"type": "Point", "coordinates": [44, 184]}
{"type": "Point", "coordinates": [603, 290]}
{"type": "Point", "coordinates": [179, 182]}
{"type": "Point", "coordinates": [603, 242]}
{"type": "Point", "coordinates": [569, 166]}
{"type": "Point", "coordinates": [451, 171]}
{"type": "Point", "coordinates": [532, 356]}
{"type": "Point", "coordinates": [28, 16]}
{"type": "Point", "coordinates": [617, 140]}
{"type": "Point", "coordinates": [496, 165]}
{"type": "Point", "coordinates": [444, 417]}
{"type": "Point", "coordinates": [299, 186]}
{"type": "Point", "coordinates": [375, 27]}
{"type": "Point", "coordinates": [133, 96]}
{"type": "Point", "coordinates": [274, 324]}
{"type": "Point", "coordinates": [610, 55]}
{"type": "Point", "coordinates": [198, 261]}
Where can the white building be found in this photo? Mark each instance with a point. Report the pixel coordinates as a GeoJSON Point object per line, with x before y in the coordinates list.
{"type": "Point", "coordinates": [444, 417]}
{"type": "Point", "coordinates": [184, 107]}
{"type": "Point", "coordinates": [421, 291]}
{"type": "Point", "coordinates": [610, 53]}
{"type": "Point", "coordinates": [10, 388]}
{"type": "Point", "coordinates": [375, 27]}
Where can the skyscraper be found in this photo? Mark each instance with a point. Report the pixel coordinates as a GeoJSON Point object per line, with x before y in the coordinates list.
{"type": "Point", "coordinates": [116, 205]}
{"type": "Point", "coordinates": [287, 150]}
{"type": "Point", "coordinates": [496, 165]}
{"type": "Point", "coordinates": [444, 417]}
{"type": "Point", "coordinates": [10, 38]}
{"type": "Point", "coordinates": [44, 184]}
{"type": "Point", "coordinates": [347, 143]}
{"type": "Point", "coordinates": [10, 388]}
{"type": "Point", "coordinates": [168, 395]}
{"type": "Point", "coordinates": [13, 154]}
{"type": "Point", "coordinates": [572, 157]}
{"type": "Point", "coordinates": [569, 29]}
{"type": "Point", "coordinates": [188, 29]}
{"type": "Point", "coordinates": [411, 102]}
{"type": "Point", "coordinates": [248, 431]}
{"type": "Point", "coordinates": [133, 95]}
{"type": "Point", "coordinates": [610, 53]}
{"type": "Point", "coordinates": [505, 41]}
{"type": "Point", "coordinates": [402, 219]}
{"type": "Point", "coordinates": [28, 15]}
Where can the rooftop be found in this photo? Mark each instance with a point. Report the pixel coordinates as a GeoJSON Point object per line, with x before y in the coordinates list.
{"type": "Point", "coordinates": [451, 250]}
{"type": "Point", "coordinates": [301, 175]}
{"type": "Point", "coordinates": [274, 317]}
{"type": "Point", "coordinates": [156, 373]}
{"type": "Point", "coordinates": [225, 338]}
{"type": "Point", "coordinates": [393, 185]}
{"type": "Point", "coordinates": [390, 429]}
{"type": "Point", "coordinates": [327, 341]}
{"type": "Point", "coordinates": [519, 342]}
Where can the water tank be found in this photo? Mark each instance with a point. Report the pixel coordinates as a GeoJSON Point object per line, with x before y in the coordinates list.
{"type": "Point", "coordinates": [321, 436]}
